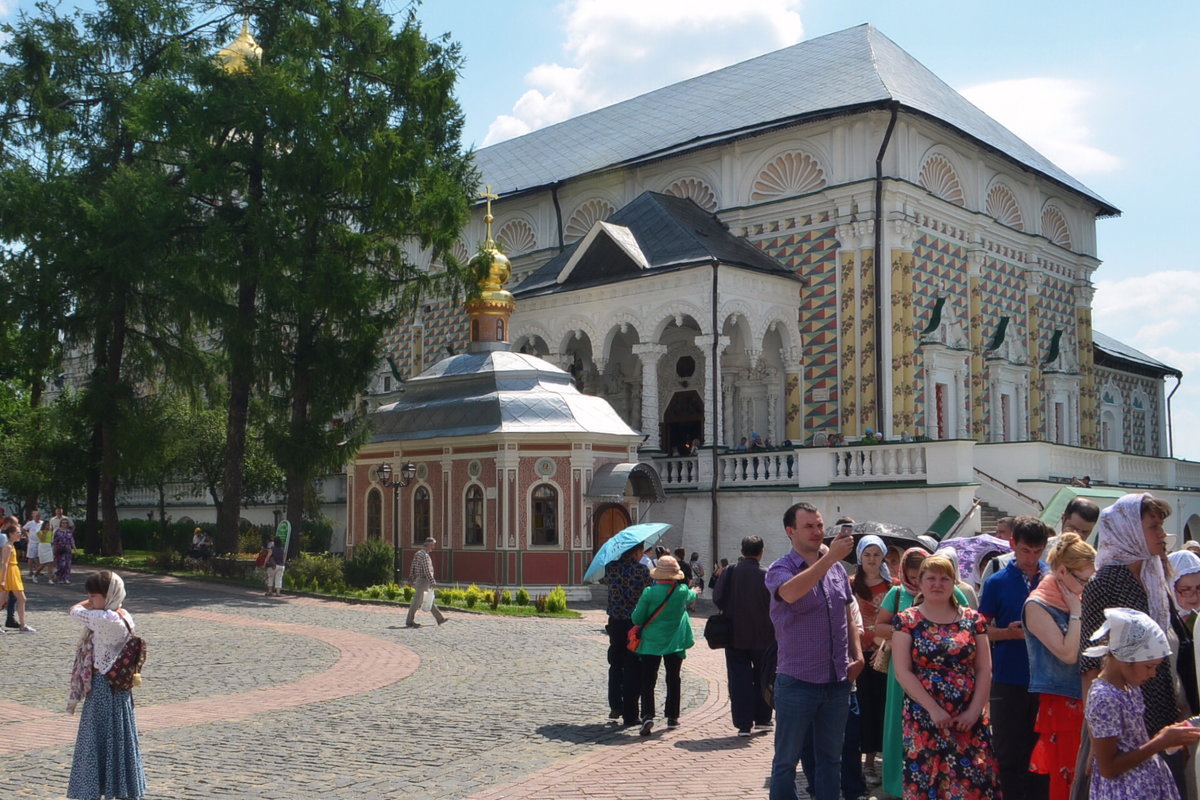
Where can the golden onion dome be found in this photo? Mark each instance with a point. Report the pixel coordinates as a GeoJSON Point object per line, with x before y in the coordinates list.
{"type": "Point", "coordinates": [241, 53]}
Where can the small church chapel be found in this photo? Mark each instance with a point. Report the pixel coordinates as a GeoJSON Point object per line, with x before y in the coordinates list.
{"type": "Point", "coordinates": [819, 274]}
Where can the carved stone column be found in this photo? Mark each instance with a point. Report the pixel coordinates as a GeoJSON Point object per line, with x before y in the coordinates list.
{"type": "Point", "coordinates": [650, 355]}
{"type": "Point", "coordinates": [713, 429]}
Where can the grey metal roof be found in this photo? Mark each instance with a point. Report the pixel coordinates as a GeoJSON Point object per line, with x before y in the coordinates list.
{"type": "Point", "coordinates": [498, 391]}
{"type": "Point", "coordinates": [672, 232]}
{"type": "Point", "coordinates": [851, 70]}
{"type": "Point", "coordinates": [610, 480]}
{"type": "Point", "coordinates": [1109, 349]}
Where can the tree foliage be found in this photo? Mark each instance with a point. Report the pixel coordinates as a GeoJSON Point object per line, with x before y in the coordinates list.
{"type": "Point", "coordinates": [226, 227]}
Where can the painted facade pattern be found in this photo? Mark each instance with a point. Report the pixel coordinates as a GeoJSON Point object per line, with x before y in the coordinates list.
{"type": "Point", "coordinates": [813, 254]}
{"type": "Point", "coordinates": [1056, 311]}
{"type": "Point", "coordinates": [1140, 410]}
{"type": "Point", "coordinates": [939, 269]}
{"type": "Point", "coordinates": [444, 326]}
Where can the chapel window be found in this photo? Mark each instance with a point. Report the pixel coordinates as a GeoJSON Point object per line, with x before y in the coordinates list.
{"type": "Point", "coordinates": [473, 517]}
{"type": "Point", "coordinates": [421, 515]}
{"type": "Point", "coordinates": [374, 514]}
{"type": "Point", "coordinates": [544, 515]}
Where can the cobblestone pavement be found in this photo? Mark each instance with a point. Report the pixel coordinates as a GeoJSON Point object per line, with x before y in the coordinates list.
{"type": "Point", "coordinates": [246, 696]}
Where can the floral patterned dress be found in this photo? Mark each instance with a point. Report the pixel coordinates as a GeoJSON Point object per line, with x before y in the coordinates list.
{"type": "Point", "coordinates": [1119, 714]}
{"type": "Point", "coordinates": [945, 763]}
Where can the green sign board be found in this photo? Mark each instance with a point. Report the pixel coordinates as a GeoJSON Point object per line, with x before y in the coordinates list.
{"type": "Point", "coordinates": [284, 532]}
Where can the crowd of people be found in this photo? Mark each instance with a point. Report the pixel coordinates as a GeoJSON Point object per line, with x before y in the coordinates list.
{"type": "Point", "coordinates": [43, 548]}
{"type": "Point", "coordinates": [1020, 664]}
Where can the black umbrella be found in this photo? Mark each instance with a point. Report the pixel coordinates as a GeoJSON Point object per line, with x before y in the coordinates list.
{"type": "Point", "coordinates": [890, 532]}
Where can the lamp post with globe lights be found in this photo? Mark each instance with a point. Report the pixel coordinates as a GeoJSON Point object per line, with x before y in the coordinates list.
{"type": "Point", "coordinates": [387, 477]}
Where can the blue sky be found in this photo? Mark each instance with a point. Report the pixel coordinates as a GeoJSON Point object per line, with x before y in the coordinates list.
{"type": "Point", "coordinates": [1105, 90]}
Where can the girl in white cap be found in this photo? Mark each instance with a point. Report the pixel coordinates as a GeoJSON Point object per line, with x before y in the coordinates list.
{"type": "Point", "coordinates": [1127, 763]}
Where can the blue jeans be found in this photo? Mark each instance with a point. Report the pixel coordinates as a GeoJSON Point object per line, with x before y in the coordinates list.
{"type": "Point", "coordinates": [799, 707]}
{"type": "Point", "coordinates": [854, 785]}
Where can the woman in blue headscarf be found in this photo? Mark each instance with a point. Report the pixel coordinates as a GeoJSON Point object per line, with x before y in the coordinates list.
{"type": "Point", "coordinates": [870, 583]}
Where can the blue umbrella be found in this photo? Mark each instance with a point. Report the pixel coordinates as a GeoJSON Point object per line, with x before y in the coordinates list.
{"type": "Point", "coordinates": [643, 533]}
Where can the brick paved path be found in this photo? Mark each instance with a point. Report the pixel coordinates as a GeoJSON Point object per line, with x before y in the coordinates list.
{"type": "Point", "coordinates": [252, 697]}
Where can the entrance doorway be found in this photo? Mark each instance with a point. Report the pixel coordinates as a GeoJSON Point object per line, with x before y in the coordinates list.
{"type": "Point", "coordinates": [607, 522]}
{"type": "Point", "coordinates": [683, 423]}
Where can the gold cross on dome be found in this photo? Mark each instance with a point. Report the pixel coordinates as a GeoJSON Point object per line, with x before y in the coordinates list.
{"type": "Point", "coordinates": [487, 218]}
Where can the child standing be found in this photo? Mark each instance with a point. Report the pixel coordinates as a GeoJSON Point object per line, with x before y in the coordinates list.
{"type": "Point", "coordinates": [1126, 761]}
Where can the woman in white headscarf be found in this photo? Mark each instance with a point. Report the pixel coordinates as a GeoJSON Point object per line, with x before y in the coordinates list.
{"type": "Point", "coordinates": [1185, 584]}
{"type": "Point", "coordinates": [108, 758]}
{"type": "Point", "coordinates": [871, 582]}
{"type": "Point", "coordinates": [1131, 572]}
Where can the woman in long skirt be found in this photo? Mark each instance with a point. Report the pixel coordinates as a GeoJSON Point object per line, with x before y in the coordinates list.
{"type": "Point", "coordinates": [108, 759]}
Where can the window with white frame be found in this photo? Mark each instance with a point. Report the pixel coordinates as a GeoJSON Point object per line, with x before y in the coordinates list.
{"type": "Point", "coordinates": [543, 528]}
{"type": "Point", "coordinates": [473, 517]}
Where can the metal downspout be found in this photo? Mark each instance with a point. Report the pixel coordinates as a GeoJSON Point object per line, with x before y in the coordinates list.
{"type": "Point", "coordinates": [716, 385]}
{"type": "Point", "coordinates": [1170, 428]}
{"type": "Point", "coordinates": [879, 260]}
{"type": "Point", "coordinates": [557, 213]}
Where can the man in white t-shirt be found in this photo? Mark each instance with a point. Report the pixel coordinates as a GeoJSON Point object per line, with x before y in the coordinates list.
{"type": "Point", "coordinates": [31, 529]}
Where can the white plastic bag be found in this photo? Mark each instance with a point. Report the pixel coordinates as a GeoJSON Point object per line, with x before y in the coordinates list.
{"type": "Point", "coordinates": [427, 600]}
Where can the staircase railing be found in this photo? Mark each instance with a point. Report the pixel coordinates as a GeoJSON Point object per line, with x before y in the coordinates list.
{"type": "Point", "coordinates": [975, 504]}
{"type": "Point", "coordinates": [1038, 504]}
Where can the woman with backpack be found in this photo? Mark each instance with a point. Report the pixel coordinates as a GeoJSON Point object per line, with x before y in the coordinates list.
{"type": "Point", "coordinates": [108, 759]}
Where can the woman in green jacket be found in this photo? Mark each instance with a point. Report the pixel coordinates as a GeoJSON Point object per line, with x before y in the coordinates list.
{"type": "Point", "coordinates": [665, 638]}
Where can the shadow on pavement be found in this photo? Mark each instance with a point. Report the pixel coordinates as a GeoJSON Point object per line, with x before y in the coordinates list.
{"type": "Point", "coordinates": [592, 733]}
{"type": "Point", "coordinates": [730, 742]}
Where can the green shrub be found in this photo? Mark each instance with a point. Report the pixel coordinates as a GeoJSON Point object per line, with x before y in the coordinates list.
{"type": "Point", "coordinates": [316, 533]}
{"type": "Point", "coordinates": [472, 599]}
{"type": "Point", "coordinates": [494, 597]}
{"type": "Point", "coordinates": [326, 569]}
{"type": "Point", "coordinates": [372, 563]}
{"type": "Point", "coordinates": [506, 598]}
{"type": "Point", "coordinates": [539, 603]}
{"type": "Point", "coordinates": [166, 561]}
{"type": "Point", "coordinates": [251, 540]}
{"type": "Point", "coordinates": [522, 597]}
{"type": "Point", "coordinates": [472, 596]}
{"type": "Point", "coordinates": [393, 591]}
{"type": "Point", "coordinates": [145, 534]}
{"type": "Point", "coordinates": [374, 592]}
{"type": "Point", "coordinates": [556, 601]}
{"type": "Point", "coordinates": [408, 593]}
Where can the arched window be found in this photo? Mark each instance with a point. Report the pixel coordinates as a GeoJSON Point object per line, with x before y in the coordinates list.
{"type": "Point", "coordinates": [544, 517]}
{"type": "Point", "coordinates": [374, 514]}
{"type": "Point", "coordinates": [499, 330]}
{"type": "Point", "coordinates": [473, 517]}
{"type": "Point", "coordinates": [421, 514]}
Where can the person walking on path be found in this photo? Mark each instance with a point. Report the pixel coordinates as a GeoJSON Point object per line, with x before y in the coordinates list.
{"type": "Point", "coordinates": [1014, 707]}
{"type": "Point", "coordinates": [818, 652]}
{"type": "Point", "coordinates": [11, 584]}
{"type": "Point", "coordinates": [64, 550]}
{"type": "Point", "coordinates": [275, 567]}
{"type": "Point", "coordinates": [666, 637]}
{"type": "Point", "coordinates": [742, 594]}
{"type": "Point", "coordinates": [421, 577]}
{"type": "Point", "coordinates": [108, 757]}
{"type": "Point", "coordinates": [626, 578]}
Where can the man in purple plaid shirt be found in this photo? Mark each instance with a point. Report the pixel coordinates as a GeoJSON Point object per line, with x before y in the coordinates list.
{"type": "Point", "coordinates": [819, 652]}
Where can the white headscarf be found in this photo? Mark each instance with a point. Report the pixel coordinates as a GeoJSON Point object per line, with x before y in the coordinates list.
{"type": "Point", "coordinates": [1183, 562]}
{"type": "Point", "coordinates": [1132, 637]}
{"type": "Point", "coordinates": [863, 544]}
{"type": "Point", "coordinates": [1123, 542]}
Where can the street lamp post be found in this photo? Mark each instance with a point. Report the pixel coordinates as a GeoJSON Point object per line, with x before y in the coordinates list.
{"type": "Point", "coordinates": [383, 474]}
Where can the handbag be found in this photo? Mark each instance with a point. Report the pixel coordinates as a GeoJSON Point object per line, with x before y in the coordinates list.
{"type": "Point", "coordinates": [126, 671]}
{"type": "Point", "coordinates": [261, 561]}
{"type": "Point", "coordinates": [718, 631]}
{"type": "Point", "coordinates": [634, 640]}
{"type": "Point", "coordinates": [883, 654]}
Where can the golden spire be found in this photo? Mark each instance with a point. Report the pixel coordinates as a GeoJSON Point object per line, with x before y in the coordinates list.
{"type": "Point", "coordinates": [490, 310]}
{"type": "Point", "coordinates": [241, 52]}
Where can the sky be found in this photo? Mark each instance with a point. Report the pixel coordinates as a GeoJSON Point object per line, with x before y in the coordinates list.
{"type": "Point", "coordinates": [1105, 90]}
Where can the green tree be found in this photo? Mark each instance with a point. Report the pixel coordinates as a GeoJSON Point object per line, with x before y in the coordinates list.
{"type": "Point", "coordinates": [322, 162]}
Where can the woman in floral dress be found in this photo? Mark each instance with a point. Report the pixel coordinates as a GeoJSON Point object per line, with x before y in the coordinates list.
{"type": "Point", "coordinates": [943, 662]}
{"type": "Point", "coordinates": [64, 551]}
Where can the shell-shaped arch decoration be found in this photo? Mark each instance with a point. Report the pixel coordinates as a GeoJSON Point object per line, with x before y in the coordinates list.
{"type": "Point", "coordinates": [1002, 206]}
{"type": "Point", "coordinates": [698, 191]}
{"type": "Point", "coordinates": [938, 176]}
{"type": "Point", "coordinates": [1055, 227]}
{"type": "Point", "coordinates": [584, 218]}
{"type": "Point", "coordinates": [517, 237]}
{"type": "Point", "coordinates": [788, 174]}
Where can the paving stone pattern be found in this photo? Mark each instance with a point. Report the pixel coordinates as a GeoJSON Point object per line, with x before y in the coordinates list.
{"type": "Point", "coordinates": [246, 696]}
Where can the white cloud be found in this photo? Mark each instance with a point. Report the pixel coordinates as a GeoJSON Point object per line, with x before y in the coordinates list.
{"type": "Point", "coordinates": [617, 49]}
{"type": "Point", "coordinates": [1159, 314]}
{"type": "Point", "coordinates": [1051, 115]}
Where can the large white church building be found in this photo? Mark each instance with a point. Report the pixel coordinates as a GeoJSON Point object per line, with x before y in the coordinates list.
{"type": "Point", "coordinates": [808, 246]}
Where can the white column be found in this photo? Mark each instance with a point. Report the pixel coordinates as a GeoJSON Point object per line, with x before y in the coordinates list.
{"type": "Point", "coordinates": [713, 433]}
{"type": "Point", "coordinates": [650, 355]}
